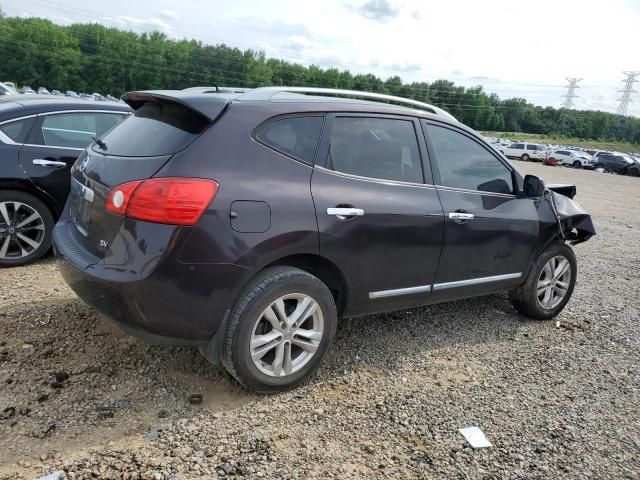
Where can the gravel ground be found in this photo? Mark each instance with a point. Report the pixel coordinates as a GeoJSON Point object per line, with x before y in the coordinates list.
{"type": "Point", "coordinates": [557, 399]}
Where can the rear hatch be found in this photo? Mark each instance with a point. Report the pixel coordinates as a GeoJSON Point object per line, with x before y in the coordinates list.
{"type": "Point", "coordinates": [134, 150]}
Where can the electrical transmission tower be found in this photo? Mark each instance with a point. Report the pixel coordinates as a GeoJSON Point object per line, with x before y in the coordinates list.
{"type": "Point", "coordinates": [627, 91]}
{"type": "Point", "coordinates": [571, 92]}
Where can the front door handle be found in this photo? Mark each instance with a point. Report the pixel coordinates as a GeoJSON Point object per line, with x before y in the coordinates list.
{"type": "Point", "coordinates": [345, 213]}
{"type": "Point", "coordinates": [49, 163]}
{"type": "Point", "coordinates": [461, 217]}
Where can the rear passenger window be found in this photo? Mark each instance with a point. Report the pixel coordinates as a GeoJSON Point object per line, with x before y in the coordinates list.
{"type": "Point", "coordinates": [18, 131]}
{"type": "Point", "coordinates": [464, 163]}
{"type": "Point", "coordinates": [519, 146]}
{"type": "Point", "coordinates": [295, 136]}
{"type": "Point", "coordinates": [376, 147]}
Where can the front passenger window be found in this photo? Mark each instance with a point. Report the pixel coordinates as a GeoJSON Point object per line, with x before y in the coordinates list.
{"type": "Point", "coordinates": [464, 163]}
{"type": "Point", "coordinates": [384, 148]}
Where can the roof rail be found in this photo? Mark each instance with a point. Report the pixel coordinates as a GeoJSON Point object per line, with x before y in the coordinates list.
{"type": "Point", "coordinates": [217, 89]}
{"type": "Point", "coordinates": [266, 93]}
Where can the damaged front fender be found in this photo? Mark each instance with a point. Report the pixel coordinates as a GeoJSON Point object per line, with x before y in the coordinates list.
{"type": "Point", "coordinates": [574, 222]}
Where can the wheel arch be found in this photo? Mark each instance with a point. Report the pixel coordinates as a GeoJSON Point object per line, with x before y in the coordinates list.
{"type": "Point", "coordinates": [322, 268]}
{"type": "Point", "coordinates": [27, 187]}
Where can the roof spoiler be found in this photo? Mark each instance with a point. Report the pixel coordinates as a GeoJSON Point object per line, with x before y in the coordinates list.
{"type": "Point", "coordinates": [209, 106]}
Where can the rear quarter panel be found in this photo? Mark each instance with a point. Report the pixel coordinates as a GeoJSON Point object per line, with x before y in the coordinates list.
{"type": "Point", "coordinates": [247, 171]}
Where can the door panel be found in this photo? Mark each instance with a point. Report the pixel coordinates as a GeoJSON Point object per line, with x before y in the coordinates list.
{"type": "Point", "coordinates": [498, 241]}
{"type": "Point", "coordinates": [48, 168]}
{"type": "Point", "coordinates": [394, 244]}
{"type": "Point", "coordinates": [381, 229]}
{"type": "Point", "coordinates": [490, 234]}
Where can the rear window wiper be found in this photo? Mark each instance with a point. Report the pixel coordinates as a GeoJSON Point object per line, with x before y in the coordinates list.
{"type": "Point", "coordinates": [100, 143]}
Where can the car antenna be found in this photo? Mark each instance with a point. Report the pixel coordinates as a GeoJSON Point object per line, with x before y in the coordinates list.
{"type": "Point", "coordinates": [100, 143]}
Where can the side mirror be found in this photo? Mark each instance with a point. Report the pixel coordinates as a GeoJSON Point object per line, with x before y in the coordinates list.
{"type": "Point", "coordinates": [533, 187]}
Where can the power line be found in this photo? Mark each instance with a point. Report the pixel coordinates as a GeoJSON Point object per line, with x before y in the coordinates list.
{"type": "Point", "coordinates": [627, 91]}
{"type": "Point", "coordinates": [571, 92]}
{"type": "Point", "coordinates": [93, 14]}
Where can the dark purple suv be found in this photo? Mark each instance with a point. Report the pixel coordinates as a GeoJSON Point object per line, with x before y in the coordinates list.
{"type": "Point", "coordinates": [247, 222]}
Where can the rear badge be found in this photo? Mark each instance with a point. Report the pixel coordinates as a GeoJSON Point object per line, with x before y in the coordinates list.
{"type": "Point", "coordinates": [103, 244]}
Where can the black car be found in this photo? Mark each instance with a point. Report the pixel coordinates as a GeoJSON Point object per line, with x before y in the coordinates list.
{"type": "Point", "coordinates": [40, 138]}
{"type": "Point", "coordinates": [247, 223]}
{"type": "Point", "coordinates": [614, 162]}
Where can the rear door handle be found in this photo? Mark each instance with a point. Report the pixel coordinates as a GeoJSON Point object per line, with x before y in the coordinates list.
{"type": "Point", "coordinates": [461, 217]}
{"type": "Point", "coordinates": [49, 163]}
{"type": "Point", "coordinates": [344, 213]}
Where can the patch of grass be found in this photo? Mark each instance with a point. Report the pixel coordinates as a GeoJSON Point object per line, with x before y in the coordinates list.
{"type": "Point", "coordinates": [567, 141]}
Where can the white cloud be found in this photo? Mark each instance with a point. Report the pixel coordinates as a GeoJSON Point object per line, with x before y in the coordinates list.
{"type": "Point", "coordinates": [298, 42]}
{"type": "Point", "coordinates": [169, 15]}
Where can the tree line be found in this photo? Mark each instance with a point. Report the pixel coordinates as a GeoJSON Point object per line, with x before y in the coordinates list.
{"type": "Point", "coordinates": [95, 58]}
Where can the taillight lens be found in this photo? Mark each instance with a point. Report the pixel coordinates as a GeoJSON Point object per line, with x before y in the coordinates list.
{"type": "Point", "coordinates": [119, 198]}
{"type": "Point", "coordinates": [175, 201]}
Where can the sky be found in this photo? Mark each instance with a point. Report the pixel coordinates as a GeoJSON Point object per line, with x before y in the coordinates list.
{"type": "Point", "coordinates": [511, 47]}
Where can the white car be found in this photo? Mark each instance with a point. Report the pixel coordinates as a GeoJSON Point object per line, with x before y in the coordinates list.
{"type": "Point", "coordinates": [525, 151]}
{"type": "Point", "coordinates": [7, 89]}
{"type": "Point", "coordinates": [574, 158]}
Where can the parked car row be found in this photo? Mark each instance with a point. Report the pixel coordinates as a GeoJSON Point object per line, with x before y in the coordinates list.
{"type": "Point", "coordinates": [8, 88]}
{"type": "Point", "coordinates": [576, 157]}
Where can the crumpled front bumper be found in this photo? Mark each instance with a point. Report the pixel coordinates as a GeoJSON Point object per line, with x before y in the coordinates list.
{"type": "Point", "coordinates": [576, 222]}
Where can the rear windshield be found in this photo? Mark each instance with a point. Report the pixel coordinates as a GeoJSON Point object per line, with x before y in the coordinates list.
{"type": "Point", "coordinates": [156, 128]}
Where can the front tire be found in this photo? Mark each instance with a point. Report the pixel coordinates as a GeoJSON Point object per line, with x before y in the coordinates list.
{"type": "Point", "coordinates": [280, 330]}
{"type": "Point", "coordinates": [577, 164]}
{"type": "Point", "coordinates": [26, 225]}
{"type": "Point", "coordinates": [549, 285]}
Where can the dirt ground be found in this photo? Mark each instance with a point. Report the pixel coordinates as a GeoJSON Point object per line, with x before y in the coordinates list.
{"type": "Point", "coordinates": [557, 400]}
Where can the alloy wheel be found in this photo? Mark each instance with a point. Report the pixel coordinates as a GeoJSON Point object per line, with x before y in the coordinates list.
{"type": "Point", "coordinates": [286, 335]}
{"type": "Point", "coordinates": [553, 282]}
{"type": "Point", "coordinates": [22, 230]}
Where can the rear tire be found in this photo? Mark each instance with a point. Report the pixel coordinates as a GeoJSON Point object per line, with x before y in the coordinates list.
{"type": "Point", "coordinates": [548, 287]}
{"type": "Point", "coordinates": [267, 346]}
{"type": "Point", "coordinates": [525, 157]}
{"type": "Point", "coordinates": [26, 225]}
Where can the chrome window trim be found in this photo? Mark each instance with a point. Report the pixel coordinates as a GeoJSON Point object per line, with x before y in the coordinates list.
{"type": "Point", "coordinates": [476, 281]}
{"type": "Point", "coordinates": [17, 119]}
{"type": "Point", "coordinates": [399, 291]}
{"type": "Point", "coordinates": [477, 192]}
{"type": "Point", "coordinates": [53, 146]}
{"type": "Point", "coordinates": [59, 112]}
{"type": "Point", "coordinates": [374, 180]}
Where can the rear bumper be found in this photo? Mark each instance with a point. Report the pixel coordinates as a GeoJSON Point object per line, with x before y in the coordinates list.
{"type": "Point", "coordinates": [152, 295]}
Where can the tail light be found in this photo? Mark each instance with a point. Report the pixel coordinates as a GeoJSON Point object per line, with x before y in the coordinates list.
{"type": "Point", "coordinates": [175, 201]}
